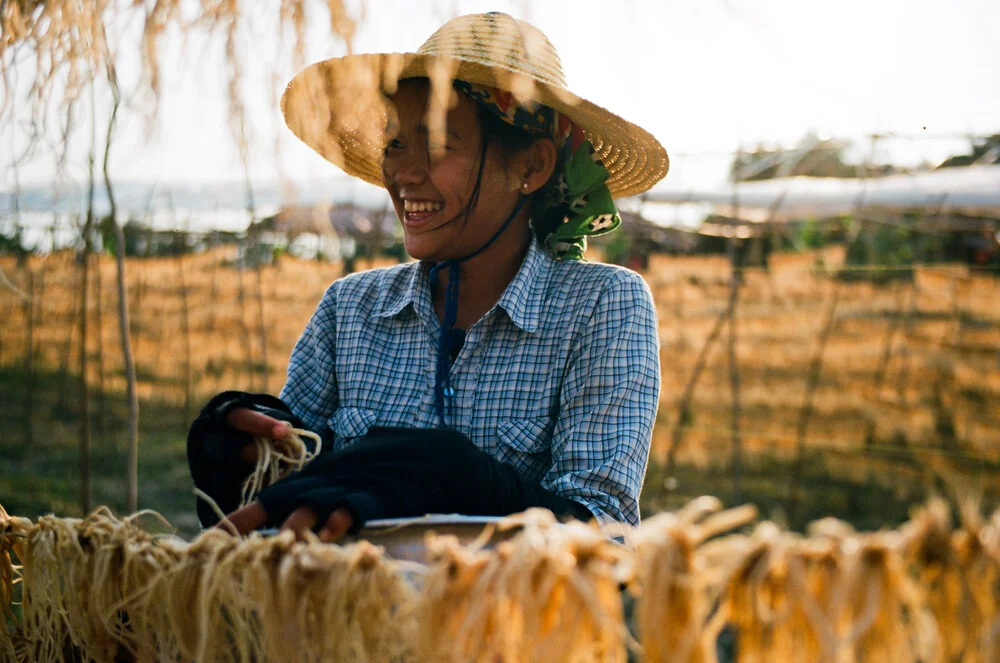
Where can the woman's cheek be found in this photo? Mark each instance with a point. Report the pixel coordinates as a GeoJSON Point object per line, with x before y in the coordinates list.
{"type": "Point", "coordinates": [454, 182]}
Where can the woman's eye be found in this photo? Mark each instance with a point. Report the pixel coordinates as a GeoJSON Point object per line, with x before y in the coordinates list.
{"type": "Point", "coordinates": [437, 149]}
{"type": "Point", "coordinates": [393, 144]}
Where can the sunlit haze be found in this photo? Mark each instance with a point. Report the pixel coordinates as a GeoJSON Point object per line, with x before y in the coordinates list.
{"type": "Point", "coordinates": [705, 76]}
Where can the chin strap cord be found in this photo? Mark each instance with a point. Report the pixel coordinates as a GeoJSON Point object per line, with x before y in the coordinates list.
{"type": "Point", "coordinates": [443, 391]}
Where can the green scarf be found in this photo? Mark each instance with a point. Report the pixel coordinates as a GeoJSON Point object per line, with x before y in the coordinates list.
{"type": "Point", "coordinates": [576, 203]}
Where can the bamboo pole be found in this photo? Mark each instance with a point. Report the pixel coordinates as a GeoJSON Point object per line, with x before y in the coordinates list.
{"type": "Point", "coordinates": [257, 255]}
{"type": "Point", "coordinates": [16, 200]}
{"type": "Point", "coordinates": [213, 292]}
{"type": "Point", "coordinates": [131, 391]}
{"type": "Point", "coordinates": [38, 323]}
{"type": "Point", "coordinates": [857, 222]}
{"type": "Point", "coordinates": [135, 310]}
{"type": "Point", "coordinates": [881, 369]}
{"type": "Point", "coordinates": [944, 415]}
{"type": "Point", "coordinates": [83, 387]}
{"type": "Point", "coordinates": [684, 405]}
{"type": "Point", "coordinates": [903, 379]}
{"type": "Point", "coordinates": [124, 325]}
{"type": "Point", "coordinates": [735, 280]}
{"type": "Point", "coordinates": [805, 414]}
{"type": "Point", "coordinates": [6, 316]}
{"type": "Point", "coordinates": [29, 361]}
{"type": "Point", "coordinates": [186, 333]}
{"type": "Point", "coordinates": [71, 326]}
{"type": "Point", "coordinates": [262, 331]}
{"type": "Point", "coordinates": [99, 337]}
{"type": "Point", "coordinates": [245, 326]}
{"type": "Point", "coordinates": [736, 452]}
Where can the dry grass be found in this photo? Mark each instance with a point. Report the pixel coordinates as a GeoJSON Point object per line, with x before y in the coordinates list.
{"type": "Point", "coordinates": [909, 364]}
{"type": "Point", "coordinates": [934, 341]}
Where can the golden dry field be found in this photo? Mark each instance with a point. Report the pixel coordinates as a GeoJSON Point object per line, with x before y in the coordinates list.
{"type": "Point", "coordinates": [893, 379]}
{"type": "Point", "coordinates": [910, 358]}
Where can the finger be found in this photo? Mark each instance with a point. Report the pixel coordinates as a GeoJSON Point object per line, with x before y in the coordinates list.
{"type": "Point", "coordinates": [337, 525]}
{"type": "Point", "coordinates": [249, 453]}
{"type": "Point", "coordinates": [301, 521]}
{"type": "Point", "coordinates": [257, 423]}
{"type": "Point", "coordinates": [246, 519]}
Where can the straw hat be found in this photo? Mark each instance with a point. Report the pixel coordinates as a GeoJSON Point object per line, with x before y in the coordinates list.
{"type": "Point", "coordinates": [338, 106]}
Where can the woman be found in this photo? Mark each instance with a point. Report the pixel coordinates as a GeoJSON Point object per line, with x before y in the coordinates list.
{"type": "Point", "coordinates": [500, 371]}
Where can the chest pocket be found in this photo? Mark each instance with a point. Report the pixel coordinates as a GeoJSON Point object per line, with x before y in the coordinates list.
{"type": "Point", "coordinates": [350, 423]}
{"type": "Point", "coordinates": [524, 442]}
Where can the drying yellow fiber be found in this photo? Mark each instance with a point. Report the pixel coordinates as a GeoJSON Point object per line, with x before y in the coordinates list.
{"type": "Point", "coordinates": [276, 459]}
{"type": "Point", "coordinates": [549, 594]}
{"type": "Point", "coordinates": [960, 572]}
{"type": "Point", "coordinates": [672, 582]}
{"type": "Point", "coordinates": [103, 589]}
{"type": "Point", "coordinates": [925, 592]}
{"type": "Point", "coordinates": [13, 531]}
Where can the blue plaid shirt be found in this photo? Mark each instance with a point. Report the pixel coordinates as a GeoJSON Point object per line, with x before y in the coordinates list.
{"type": "Point", "coordinates": [560, 379]}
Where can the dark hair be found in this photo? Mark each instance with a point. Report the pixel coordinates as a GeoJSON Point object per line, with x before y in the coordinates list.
{"type": "Point", "coordinates": [508, 140]}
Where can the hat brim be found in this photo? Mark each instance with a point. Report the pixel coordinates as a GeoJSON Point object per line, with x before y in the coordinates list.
{"type": "Point", "coordinates": [338, 108]}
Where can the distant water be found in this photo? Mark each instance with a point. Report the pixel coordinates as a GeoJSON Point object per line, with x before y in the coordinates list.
{"type": "Point", "coordinates": [217, 206]}
{"type": "Point", "coordinates": [50, 218]}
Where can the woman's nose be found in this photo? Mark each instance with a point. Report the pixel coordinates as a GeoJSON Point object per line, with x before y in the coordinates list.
{"type": "Point", "coordinates": [407, 168]}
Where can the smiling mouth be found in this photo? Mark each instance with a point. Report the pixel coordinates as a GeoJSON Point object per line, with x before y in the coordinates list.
{"type": "Point", "coordinates": [418, 212]}
{"type": "Point", "coordinates": [422, 206]}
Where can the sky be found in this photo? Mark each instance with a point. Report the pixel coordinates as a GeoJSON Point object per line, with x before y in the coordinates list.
{"type": "Point", "coordinates": [706, 77]}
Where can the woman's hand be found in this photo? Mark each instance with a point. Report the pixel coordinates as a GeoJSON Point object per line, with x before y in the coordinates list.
{"type": "Point", "coordinates": [254, 515]}
{"type": "Point", "coordinates": [259, 425]}
{"type": "Point", "coordinates": [303, 519]}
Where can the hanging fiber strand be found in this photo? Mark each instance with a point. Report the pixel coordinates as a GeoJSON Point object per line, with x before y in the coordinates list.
{"type": "Point", "coordinates": [671, 580]}
{"type": "Point", "coordinates": [102, 588]}
{"type": "Point", "coordinates": [549, 594]}
{"type": "Point", "coordinates": [276, 459]}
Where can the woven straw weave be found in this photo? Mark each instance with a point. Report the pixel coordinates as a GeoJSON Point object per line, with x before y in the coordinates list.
{"type": "Point", "coordinates": [338, 106]}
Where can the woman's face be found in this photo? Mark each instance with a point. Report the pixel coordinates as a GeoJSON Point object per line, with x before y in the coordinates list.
{"type": "Point", "coordinates": [431, 193]}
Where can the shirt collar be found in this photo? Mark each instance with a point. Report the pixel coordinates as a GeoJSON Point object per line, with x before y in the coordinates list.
{"type": "Point", "coordinates": [521, 300]}
{"type": "Point", "coordinates": [400, 293]}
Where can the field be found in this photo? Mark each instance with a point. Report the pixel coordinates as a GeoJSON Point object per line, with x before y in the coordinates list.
{"type": "Point", "coordinates": [815, 395]}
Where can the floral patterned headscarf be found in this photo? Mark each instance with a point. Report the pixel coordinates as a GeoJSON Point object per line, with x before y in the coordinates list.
{"type": "Point", "coordinates": [576, 203]}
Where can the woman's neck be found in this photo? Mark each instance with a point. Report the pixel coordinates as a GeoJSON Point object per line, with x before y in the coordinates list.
{"type": "Point", "coordinates": [484, 277]}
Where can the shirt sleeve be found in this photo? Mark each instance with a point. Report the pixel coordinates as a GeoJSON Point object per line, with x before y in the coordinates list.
{"type": "Point", "coordinates": [608, 401]}
{"type": "Point", "coordinates": [310, 389]}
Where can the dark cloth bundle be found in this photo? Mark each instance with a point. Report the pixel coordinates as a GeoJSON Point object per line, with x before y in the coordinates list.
{"type": "Point", "coordinates": [389, 473]}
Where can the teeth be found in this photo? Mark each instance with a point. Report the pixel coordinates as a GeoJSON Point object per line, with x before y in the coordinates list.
{"type": "Point", "coordinates": [422, 206]}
